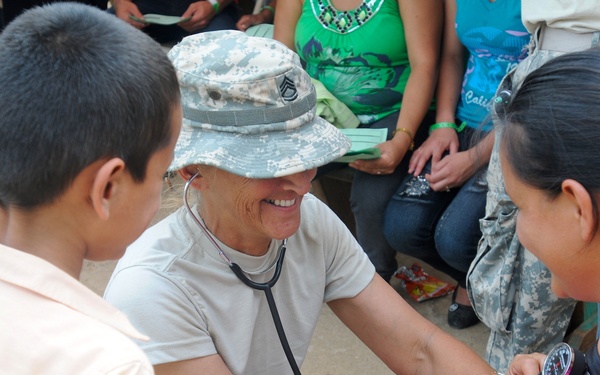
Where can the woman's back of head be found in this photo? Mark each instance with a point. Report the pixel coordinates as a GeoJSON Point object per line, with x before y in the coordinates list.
{"type": "Point", "coordinates": [552, 124]}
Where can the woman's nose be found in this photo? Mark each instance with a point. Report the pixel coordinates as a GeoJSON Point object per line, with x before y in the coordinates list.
{"type": "Point", "coordinates": [301, 182]}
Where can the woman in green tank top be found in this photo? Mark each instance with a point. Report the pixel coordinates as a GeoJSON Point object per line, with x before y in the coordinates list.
{"type": "Point", "coordinates": [380, 58]}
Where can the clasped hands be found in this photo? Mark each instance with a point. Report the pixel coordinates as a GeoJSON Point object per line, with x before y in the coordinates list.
{"type": "Point", "coordinates": [450, 167]}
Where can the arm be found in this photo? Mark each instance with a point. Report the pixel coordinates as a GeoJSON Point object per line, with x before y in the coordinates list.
{"type": "Point", "coordinates": [200, 14]}
{"type": "Point", "coordinates": [266, 15]}
{"type": "Point", "coordinates": [457, 167]}
{"type": "Point", "coordinates": [212, 364]}
{"type": "Point", "coordinates": [447, 95]}
{"type": "Point", "coordinates": [423, 22]}
{"type": "Point", "coordinates": [405, 341]}
{"type": "Point", "coordinates": [286, 19]}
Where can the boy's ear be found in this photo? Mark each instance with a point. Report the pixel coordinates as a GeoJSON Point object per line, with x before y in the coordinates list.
{"type": "Point", "coordinates": [106, 183]}
{"type": "Point", "coordinates": [585, 208]}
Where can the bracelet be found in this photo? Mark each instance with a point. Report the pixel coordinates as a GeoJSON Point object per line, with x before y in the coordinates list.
{"type": "Point", "coordinates": [452, 125]}
{"type": "Point", "coordinates": [269, 8]}
{"type": "Point", "coordinates": [409, 133]}
{"type": "Point", "coordinates": [215, 5]}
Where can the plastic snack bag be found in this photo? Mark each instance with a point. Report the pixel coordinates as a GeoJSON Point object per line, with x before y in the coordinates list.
{"type": "Point", "coordinates": [420, 285]}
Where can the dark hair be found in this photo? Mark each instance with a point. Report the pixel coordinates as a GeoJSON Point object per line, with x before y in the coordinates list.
{"type": "Point", "coordinates": [552, 125]}
{"type": "Point", "coordinates": [77, 85]}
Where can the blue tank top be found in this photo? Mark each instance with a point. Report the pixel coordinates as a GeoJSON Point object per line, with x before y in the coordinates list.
{"type": "Point", "coordinates": [495, 38]}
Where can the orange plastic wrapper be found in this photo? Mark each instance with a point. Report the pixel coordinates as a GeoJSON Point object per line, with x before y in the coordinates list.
{"type": "Point", "coordinates": [420, 285]}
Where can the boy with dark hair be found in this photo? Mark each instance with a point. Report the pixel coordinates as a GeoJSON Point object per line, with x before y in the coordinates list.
{"type": "Point", "coordinates": [89, 116]}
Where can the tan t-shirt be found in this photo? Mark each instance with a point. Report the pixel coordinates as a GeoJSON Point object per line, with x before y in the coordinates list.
{"type": "Point", "coordinates": [580, 16]}
{"type": "Point", "coordinates": [175, 287]}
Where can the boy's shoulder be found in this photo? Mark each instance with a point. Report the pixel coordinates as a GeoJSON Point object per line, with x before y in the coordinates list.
{"type": "Point", "coordinates": [59, 325]}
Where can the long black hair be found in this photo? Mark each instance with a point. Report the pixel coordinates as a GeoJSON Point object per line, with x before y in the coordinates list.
{"type": "Point", "coordinates": [552, 125]}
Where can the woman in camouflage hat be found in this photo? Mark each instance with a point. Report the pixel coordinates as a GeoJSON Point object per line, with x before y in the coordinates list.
{"type": "Point", "coordinates": [235, 283]}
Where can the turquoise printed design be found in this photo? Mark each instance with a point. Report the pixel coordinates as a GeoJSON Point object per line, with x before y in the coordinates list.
{"type": "Point", "coordinates": [367, 74]}
{"type": "Point", "coordinates": [368, 84]}
{"type": "Point", "coordinates": [496, 41]}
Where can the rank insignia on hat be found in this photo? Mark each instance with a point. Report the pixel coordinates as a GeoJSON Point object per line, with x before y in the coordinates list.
{"type": "Point", "coordinates": [287, 89]}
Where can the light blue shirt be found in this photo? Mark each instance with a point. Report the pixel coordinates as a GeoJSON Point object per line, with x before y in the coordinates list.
{"type": "Point", "coordinates": [495, 38]}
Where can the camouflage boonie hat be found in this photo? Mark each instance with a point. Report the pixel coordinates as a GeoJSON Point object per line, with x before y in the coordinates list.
{"type": "Point", "coordinates": [249, 108]}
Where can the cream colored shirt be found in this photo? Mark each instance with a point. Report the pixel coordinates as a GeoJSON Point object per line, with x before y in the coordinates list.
{"type": "Point", "coordinates": [580, 16]}
{"type": "Point", "coordinates": [52, 324]}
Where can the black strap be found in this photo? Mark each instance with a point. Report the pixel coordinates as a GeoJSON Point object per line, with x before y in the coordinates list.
{"type": "Point", "coordinates": [592, 359]}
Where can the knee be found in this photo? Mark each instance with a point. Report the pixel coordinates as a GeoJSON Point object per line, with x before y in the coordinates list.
{"type": "Point", "coordinates": [370, 194]}
{"type": "Point", "coordinates": [367, 205]}
{"type": "Point", "coordinates": [402, 233]}
{"type": "Point", "coordinates": [455, 250]}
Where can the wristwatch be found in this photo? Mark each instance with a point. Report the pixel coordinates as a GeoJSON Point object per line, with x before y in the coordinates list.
{"type": "Point", "coordinates": [564, 360]}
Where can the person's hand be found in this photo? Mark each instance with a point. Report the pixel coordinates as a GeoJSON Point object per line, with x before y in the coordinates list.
{"type": "Point", "coordinates": [124, 9]}
{"type": "Point", "coordinates": [247, 20]}
{"type": "Point", "coordinates": [526, 364]}
{"type": "Point", "coordinates": [438, 142]}
{"type": "Point", "coordinates": [200, 13]}
{"type": "Point", "coordinates": [452, 171]}
{"type": "Point", "coordinates": [392, 152]}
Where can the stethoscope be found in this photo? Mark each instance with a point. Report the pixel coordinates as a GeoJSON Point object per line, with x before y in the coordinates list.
{"type": "Point", "coordinates": [237, 270]}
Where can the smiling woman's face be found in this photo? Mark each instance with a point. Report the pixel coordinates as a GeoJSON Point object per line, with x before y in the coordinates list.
{"type": "Point", "coordinates": [551, 229]}
{"type": "Point", "coordinates": [247, 213]}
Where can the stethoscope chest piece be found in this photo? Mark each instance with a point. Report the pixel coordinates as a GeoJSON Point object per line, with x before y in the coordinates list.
{"type": "Point", "coordinates": [564, 360]}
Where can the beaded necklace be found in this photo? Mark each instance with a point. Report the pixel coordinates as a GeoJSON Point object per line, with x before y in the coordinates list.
{"type": "Point", "coordinates": [344, 21]}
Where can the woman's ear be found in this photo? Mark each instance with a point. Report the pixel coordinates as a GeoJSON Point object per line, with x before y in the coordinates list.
{"type": "Point", "coordinates": [105, 185]}
{"type": "Point", "coordinates": [578, 194]}
{"type": "Point", "coordinates": [190, 171]}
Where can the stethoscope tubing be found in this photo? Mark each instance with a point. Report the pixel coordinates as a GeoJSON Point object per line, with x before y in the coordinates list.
{"type": "Point", "coordinates": [265, 287]}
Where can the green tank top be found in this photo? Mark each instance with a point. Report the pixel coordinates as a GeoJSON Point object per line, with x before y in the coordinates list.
{"type": "Point", "coordinates": [359, 55]}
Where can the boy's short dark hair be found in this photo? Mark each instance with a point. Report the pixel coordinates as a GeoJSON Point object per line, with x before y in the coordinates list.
{"type": "Point", "coordinates": [77, 85]}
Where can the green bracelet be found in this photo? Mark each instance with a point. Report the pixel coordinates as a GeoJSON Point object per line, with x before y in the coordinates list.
{"type": "Point", "coordinates": [269, 8]}
{"type": "Point", "coordinates": [452, 125]}
{"type": "Point", "coordinates": [215, 5]}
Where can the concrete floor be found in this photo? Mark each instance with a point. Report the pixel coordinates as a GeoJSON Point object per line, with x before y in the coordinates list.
{"type": "Point", "coordinates": [334, 349]}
